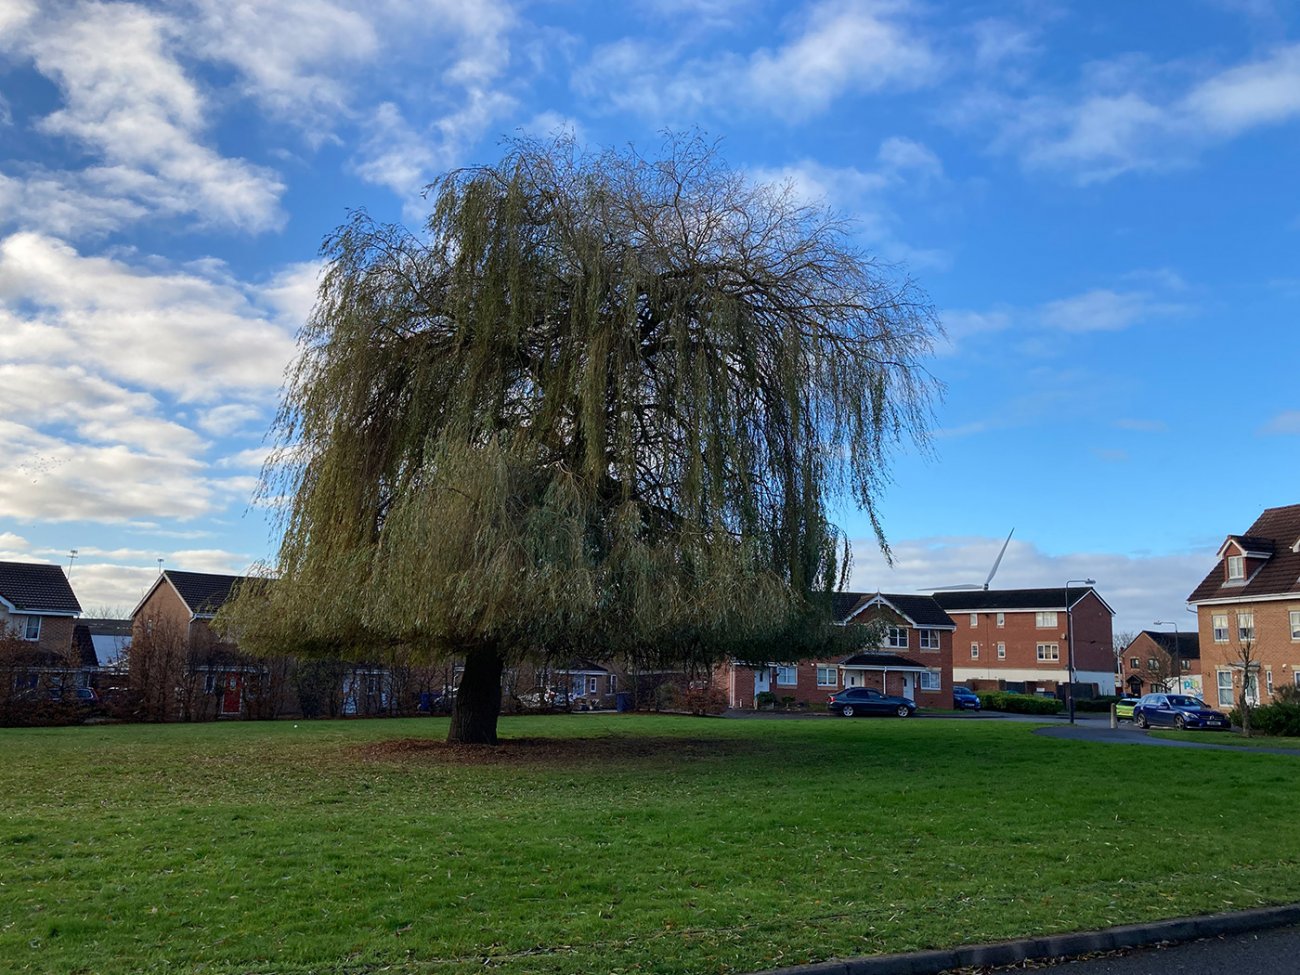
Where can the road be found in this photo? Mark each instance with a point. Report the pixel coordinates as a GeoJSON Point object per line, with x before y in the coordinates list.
{"type": "Point", "coordinates": [1272, 952]}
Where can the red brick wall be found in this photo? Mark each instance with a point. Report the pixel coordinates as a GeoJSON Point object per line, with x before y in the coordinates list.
{"type": "Point", "coordinates": [1272, 646]}
{"type": "Point", "coordinates": [1021, 634]}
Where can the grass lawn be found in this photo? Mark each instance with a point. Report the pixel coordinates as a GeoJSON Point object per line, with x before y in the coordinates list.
{"type": "Point", "coordinates": [609, 843]}
{"type": "Point", "coordinates": [1229, 738]}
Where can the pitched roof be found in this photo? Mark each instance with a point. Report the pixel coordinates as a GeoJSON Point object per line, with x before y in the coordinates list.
{"type": "Point", "coordinates": [106, 627]}
{"type": "Point", "coordinates": [581, 665]}
{"type": "Point", "coordinates": [979, 600]}
{"type": "Point", "coordinates": [1276, 530]}
{"type": "Point", "coordinates": [875, 658]}
{"type": "Point", "coordinates": [34, 588]}
{"type": "Point", "coordinates": [921, 610]}
{"type": "Point", "coordinates": [1188, 645]}
{"type": "Point", "coordinates": [204, 592]}
{"type": "Point", "coordinates": [84, 646]}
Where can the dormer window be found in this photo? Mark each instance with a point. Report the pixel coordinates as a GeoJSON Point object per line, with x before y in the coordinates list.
{"type": "Point", "coordinates": [1236, 567]}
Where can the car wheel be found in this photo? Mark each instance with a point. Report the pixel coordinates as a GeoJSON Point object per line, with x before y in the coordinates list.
{"type": "Point", "coordinates": [1180, 723]}
{"type": "Point", "coordinates": [848, 711]}
{"type": "Point", "coordinates": [903, 711]}
{"type": "Point", "coordinates": [1140, 720]}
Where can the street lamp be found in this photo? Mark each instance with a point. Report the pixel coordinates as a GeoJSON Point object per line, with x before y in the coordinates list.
{"type": "Point", "coordinates": [1069, 640]}
{"type": "Point", "coordinates": [1177, 661]}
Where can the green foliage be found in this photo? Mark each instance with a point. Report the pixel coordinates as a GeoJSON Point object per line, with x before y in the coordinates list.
{"type": "Point", "coordinates": [1101, 703]}
{"type": "Point", "coordinates": [765, 699]}
{"type": "Point", "coordinates": [604, 402]}
{"type": "Point", "coordinates": [1281, 717]}
{"type": "Point", "coordinates": [1020, 703]}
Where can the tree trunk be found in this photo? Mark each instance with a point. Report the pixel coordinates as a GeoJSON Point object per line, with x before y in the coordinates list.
{"type": "Point", "coordinates": [478, 699]}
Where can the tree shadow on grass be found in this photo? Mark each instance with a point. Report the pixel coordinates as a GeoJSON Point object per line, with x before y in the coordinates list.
{"type": "Point", "coordinates": [556, 751]}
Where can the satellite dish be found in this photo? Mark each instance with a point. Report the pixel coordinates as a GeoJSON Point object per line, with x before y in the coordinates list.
{"type": "Point", "coordinates": [992, 572]}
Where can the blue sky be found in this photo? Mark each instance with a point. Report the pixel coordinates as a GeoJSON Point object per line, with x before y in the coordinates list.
{"type": "Point", "coordinates": [1100, 200]}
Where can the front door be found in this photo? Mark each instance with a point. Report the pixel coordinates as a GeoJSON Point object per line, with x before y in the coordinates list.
{"type": "Point", "coordinates": [909, 686]}
{"type": "Point", "coordinates": [762, 680]}
{"type": "Point", "coordinates": [230, 699]}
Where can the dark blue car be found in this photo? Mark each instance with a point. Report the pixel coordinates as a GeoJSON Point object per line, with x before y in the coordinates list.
{"type": "Point", "coordinates": [866, 700]}
{"type": "Point", "coordinates": [1177, 711]}
{"type": "Point", "coordinates": [964, 698]}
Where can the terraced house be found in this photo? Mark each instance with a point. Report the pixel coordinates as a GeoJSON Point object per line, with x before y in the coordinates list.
{"type": "Point", "coordinates": [1248, 605]}
{"type": "Point", "coordinates": [1019, 639]}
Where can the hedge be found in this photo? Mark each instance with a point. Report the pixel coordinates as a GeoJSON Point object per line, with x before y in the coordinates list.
{"type": "Point", "coordinates": [1019, 703]}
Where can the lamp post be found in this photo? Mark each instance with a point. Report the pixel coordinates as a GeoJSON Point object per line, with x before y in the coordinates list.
{"type": "Point", "coordinates": [1177, 660]}
{"type": "Point", "coordinates": [1069, 641]}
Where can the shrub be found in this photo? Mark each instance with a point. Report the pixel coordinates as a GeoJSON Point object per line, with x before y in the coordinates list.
{"type": "Point", "coordinates": [765, 700]}
{"type": "Point", "coordinates": [1020, 703]}
{"type": "Point", "coordinates": [1278, 718]}
{"type": "Point", "coordinates": [1100, 703]}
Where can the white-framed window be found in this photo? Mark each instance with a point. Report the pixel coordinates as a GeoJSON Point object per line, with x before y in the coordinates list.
{"type": "Point", "coordinates": [612, 683]}
{"type": "Point", "coordinates": [1236, 567]}
{"type": "Point", "coordinates": [1295, 624]}
{"type": "Point", "coordinates": [1245, 626]}
{"type": "Point", "coordinates": [1224, 678]}
{"type": "Point", "coordinates": [974, 620]}
{"type": "Point", "coordinates": [827, 675]}
{"type": "Point", "coordinates": [1049, 651]}
{"type": "Point", "coordinates": [931, 680]}
{"type": "Point", "coordinates": [1045, 619]}
{"type": "Point", "coordinates": [1187, 664]}
{"type": "Point", "coordinates": [974, 651]}
{"type": "Point", "coordinates": [209, 682]}
{"type": "Point", "coordinates": [896, 637]}
{"type": "Point", "coordinates": [929, 639]}
{"type": "Point", "coordinates": [787, 676]}
{"type": "Point", "coordinates": [1220, 621]}
{"type": "Point", "coordinates": [593, 685]}
{"type": "Point", "coordinates": [32, 628]}
{"type": "Point", "coordinates": [1002, 651]}
{"type": "Point", "coordinates": [1268, 681]}
{"type": "Point", "coordinates": [1002, 620]}
{"type": "Point", "coordinates": [1152, 663]}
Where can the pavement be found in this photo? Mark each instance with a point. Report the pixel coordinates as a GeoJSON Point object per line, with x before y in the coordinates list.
{"type": "Point", "coordinates": [1263, 941]}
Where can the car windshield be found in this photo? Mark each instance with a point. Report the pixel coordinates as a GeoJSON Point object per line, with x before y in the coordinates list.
{"type": "Point", "coordinates": [1183, 701]}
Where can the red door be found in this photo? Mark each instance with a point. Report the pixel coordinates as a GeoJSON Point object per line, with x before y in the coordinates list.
{"type": "Point", "coordinates": [230, 700]}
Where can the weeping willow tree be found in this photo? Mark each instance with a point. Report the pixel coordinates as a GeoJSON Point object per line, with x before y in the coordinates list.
{"type": "Point", "coordinates": [602, 404]}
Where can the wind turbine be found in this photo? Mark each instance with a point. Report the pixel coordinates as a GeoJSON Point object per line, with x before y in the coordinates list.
{"type": "Point", "coordinates": [992, 572]}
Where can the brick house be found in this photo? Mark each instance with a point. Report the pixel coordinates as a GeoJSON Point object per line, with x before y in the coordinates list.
{"type": "Point", "coordinates": [1252, 598]}
{"type": "Point", "coordinates": [38, 606]}
{"type": "Point", "coordinates": [1148, 663]}
{"type": "Point", "coordinates": [914, 657]}
{"type": "Point", "coordinates": [1018, 639]}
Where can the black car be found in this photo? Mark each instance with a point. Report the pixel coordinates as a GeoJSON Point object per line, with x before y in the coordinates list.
{"type": "Point", "coordinates": [866, 700]}
{"type": "Point", "coordinates": [964, 697]}
{"type": "Point", "coordinates": [1177, 711]}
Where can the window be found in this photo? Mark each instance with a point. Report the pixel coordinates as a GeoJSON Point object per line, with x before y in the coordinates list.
{"type": "Point", "coordinates": [1220, 627]}
{"type": "Point", "coordinates": [1236, 567]}
{"type": "Point", "coordinates": [593, 685]}
{"type": "Point", "coordinates": [974, 651]}
{"type": "Point", "coordinates": [787, 676]}
{"type": "Point", "coordinates": [1045, 619]}
{"type": "Point", "coordinates": [1002, 651]}
{"type": "Point", "coordinates": [1134, 663]}
{"type": "Point", "coordinates": [827, 676]}
{"type": "Point", "coordinates": [32, 631]}
{"type": "Point", "coordinates": [929, 639]}
{"type": "Point", "coordinates": [613, 683]}
{"type": "Point", "coordinates": [1187, 664]}
{"type": "Point", "coordinates": [1268, 681]}
{"type": "Point", "coordinates": [1002, 620]}
{"type": "Point", "coordinates": [974, 620]}
{"type": "Point", "coordinates": [1295, 624]}
{"type": "Point", "coordinates": [896, 637]}
{"type": "Point", "coordinates": [1245, 626]}
{"type": "Point", "coordinates": [1225, 688]}
{"type": "Point", "coordinates": [930, 681]}
{"type": "Point", "coordinates": [1049, 651]}
{"type": "Point", "coordinates": [1152, 663]}
{"type": "Point", "coordinates": [209, 682]}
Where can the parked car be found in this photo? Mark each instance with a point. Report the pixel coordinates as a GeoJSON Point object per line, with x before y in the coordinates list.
{"type": "Point", "coordinates": [964, 697]}
{"type": "Point", "coordinates": [866, 700]}
{"type": "Point", "coordinates": [1124, 708]}
{"type": "Point", "coordinates": [1177, 711]}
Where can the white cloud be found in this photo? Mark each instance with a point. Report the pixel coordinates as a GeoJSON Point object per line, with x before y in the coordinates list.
{"type": "Point", "coordinates": [833, 48]}
{"type": "Point", "coordinates": [1286, 423]}
{"type": "Point", "coordinates": [1104, 310]}
{"type": "Point", "coordinates": [128, 102]}
{"type": "Point", "coordinates": [195, 336]}
{"type": "Point", "coordinates": [960, 325]}
{"type": "Point", "coordinates": [1132, 115]}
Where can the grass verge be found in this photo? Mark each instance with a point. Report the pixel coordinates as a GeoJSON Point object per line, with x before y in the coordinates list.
{"type": "Point", "coordinates": [607, 843]}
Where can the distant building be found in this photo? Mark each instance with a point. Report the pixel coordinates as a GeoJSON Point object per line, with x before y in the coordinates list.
{"type": "Point", "coordinates": [1157, 660]}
